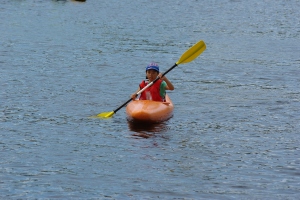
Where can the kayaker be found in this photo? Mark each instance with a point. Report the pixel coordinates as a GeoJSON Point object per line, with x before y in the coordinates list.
{"type": "Point", "coordinates": [157, 91]}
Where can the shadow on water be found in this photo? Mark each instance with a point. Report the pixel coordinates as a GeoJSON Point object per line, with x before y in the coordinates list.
{"type": "Point", "coordinates": [146, 130]}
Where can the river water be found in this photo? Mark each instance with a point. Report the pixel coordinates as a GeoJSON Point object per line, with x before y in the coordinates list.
{"type": "Point", "coordinates": [235, 129]}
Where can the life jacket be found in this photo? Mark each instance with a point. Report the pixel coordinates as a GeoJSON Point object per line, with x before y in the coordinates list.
{"type": "Point", "coordinates": [151, 93]}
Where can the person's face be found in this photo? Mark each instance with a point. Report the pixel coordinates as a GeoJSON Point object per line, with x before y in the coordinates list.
{"type": "Point", "coordinates": [151, 74]}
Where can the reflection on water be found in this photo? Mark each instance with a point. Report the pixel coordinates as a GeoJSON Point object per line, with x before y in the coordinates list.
{"type": "Point", "coordinates": [146, 130]}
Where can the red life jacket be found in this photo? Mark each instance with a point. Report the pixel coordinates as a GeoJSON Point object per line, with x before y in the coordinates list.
{"type": "Point", "coordinates": [151, 93]}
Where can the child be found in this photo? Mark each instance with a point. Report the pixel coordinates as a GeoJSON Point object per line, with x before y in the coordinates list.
{"type": "Point", "coordinates": [157, 91]}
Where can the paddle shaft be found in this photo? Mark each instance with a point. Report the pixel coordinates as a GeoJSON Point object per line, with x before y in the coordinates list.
{"type": "Point", "coordinates": [149, 85]}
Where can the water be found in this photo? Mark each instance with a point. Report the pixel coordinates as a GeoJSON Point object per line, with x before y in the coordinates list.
{"type": "Point", "coordinates": [235, 129]}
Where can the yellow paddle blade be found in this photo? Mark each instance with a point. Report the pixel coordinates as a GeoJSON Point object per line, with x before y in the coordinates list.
{"type": "Point", "coordinates": [106, 114]}
{"type": "Point", "coordinates": [192, 53]}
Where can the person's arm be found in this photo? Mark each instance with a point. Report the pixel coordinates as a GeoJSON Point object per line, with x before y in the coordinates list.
{"type": "Point", "coordinates": [169, 84]}
{"type": "Point", "coordinates": [133, 96]}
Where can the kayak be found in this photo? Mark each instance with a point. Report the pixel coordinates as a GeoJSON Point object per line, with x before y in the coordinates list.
{"type": "Point", "coordinates": [150, 111]}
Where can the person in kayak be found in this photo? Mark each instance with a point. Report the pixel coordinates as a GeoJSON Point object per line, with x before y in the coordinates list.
{"type": "Point", "coordinates": [157, 91]}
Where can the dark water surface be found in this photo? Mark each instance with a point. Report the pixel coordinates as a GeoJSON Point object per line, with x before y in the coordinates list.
{"type": "Point", "coordinates": [235, 129]}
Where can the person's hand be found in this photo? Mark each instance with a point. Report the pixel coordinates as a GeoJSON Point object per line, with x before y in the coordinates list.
{"type": "Point", "coordinates": [160, 76]}
{"type": "Point", "coordinates": [133, 96]}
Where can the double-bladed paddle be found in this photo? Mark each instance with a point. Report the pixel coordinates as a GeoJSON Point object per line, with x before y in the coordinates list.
{"type": "Point", "coordinates": [188, 56]}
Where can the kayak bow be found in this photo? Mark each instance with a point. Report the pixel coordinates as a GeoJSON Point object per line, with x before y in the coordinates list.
{"type": "Point", "coordinates": [150, 111]}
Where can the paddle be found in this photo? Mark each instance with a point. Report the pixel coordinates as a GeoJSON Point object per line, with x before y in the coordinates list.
{"type": "Point", "coordinates": [188, 56]}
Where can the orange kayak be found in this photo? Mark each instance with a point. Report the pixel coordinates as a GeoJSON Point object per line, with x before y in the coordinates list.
{"type": "Point", "coordinates": [150, 111]}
